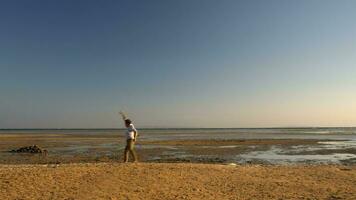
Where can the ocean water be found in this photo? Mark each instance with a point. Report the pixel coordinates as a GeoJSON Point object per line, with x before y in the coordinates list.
{"type": "Point", "coordinates": [338, 133]}
{"type": "Point", "coordinates": [258, 133]}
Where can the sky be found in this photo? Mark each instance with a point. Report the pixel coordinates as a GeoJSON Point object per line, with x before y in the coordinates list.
{"type": "Point", "coordinates": [169, 63]}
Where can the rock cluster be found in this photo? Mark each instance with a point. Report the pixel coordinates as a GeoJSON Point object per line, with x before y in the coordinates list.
{"type": "Point", "coordinates": [30, 149]}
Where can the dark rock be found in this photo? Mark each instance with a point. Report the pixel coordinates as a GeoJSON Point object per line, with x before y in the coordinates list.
{"type": "Point", "coordinates": [30, 149]}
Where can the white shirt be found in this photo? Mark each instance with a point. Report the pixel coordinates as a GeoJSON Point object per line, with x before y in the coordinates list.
{"type": "Point", "coordinates": [130, 133]}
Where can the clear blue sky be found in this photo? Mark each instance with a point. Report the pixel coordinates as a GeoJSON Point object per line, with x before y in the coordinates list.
{"type": "Point", "coordinates": [169, 63]}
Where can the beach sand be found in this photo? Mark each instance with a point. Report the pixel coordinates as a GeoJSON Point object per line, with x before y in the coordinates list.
{"type": "Point", "coordinates": [176, 181]}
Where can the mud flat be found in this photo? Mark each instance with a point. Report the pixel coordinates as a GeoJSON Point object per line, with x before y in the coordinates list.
{"type": "Point", "coordinates": [95, 147]}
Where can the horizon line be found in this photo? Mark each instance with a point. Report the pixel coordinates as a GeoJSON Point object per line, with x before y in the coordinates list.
{"type": "Point", "coordinates": [274, 127]}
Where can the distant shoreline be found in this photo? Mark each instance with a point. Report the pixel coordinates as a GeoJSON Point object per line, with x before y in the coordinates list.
{"type": "Point", "coordinates": [143, 128]}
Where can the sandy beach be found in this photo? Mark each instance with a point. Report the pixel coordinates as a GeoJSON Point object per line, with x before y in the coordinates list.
{"type": "Point", "coordinates": [176, 181]}
{"type": "Point", "coordinates": [89, 166]}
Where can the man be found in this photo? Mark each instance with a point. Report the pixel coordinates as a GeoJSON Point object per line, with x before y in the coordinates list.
{"type": "Point", "coordinates": [131, 136]}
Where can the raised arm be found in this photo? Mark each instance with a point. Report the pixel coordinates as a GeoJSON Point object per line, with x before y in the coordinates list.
{"type": "Point", "coordinates": [123, 115]}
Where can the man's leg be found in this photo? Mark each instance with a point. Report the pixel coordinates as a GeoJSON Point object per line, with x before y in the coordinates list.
{"type": "Point", "coordinates": [132, 150]}
{"type": "Point", "coordinates": [126, 152]}
{"type": "Point", "coordinates": [133, 154]}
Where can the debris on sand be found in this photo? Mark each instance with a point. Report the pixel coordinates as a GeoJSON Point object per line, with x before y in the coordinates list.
{"type": "Point", "coordinates": [30, 149]}
{"type": "Point", "coordinates": [231, 164]}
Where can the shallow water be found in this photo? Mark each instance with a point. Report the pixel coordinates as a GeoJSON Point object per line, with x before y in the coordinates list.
{"type": "Point", "coordinates": [211, 133]}
{"type": "Point", "coordinates": [278, 155]}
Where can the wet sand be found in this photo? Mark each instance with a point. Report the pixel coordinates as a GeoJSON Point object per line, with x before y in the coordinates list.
{"type": "Point", "coordinates": [96, 147]}
{"type": "Point", "coordinates": [176, 181]}
{"type": "Point", "coordinates": [233, 142]}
